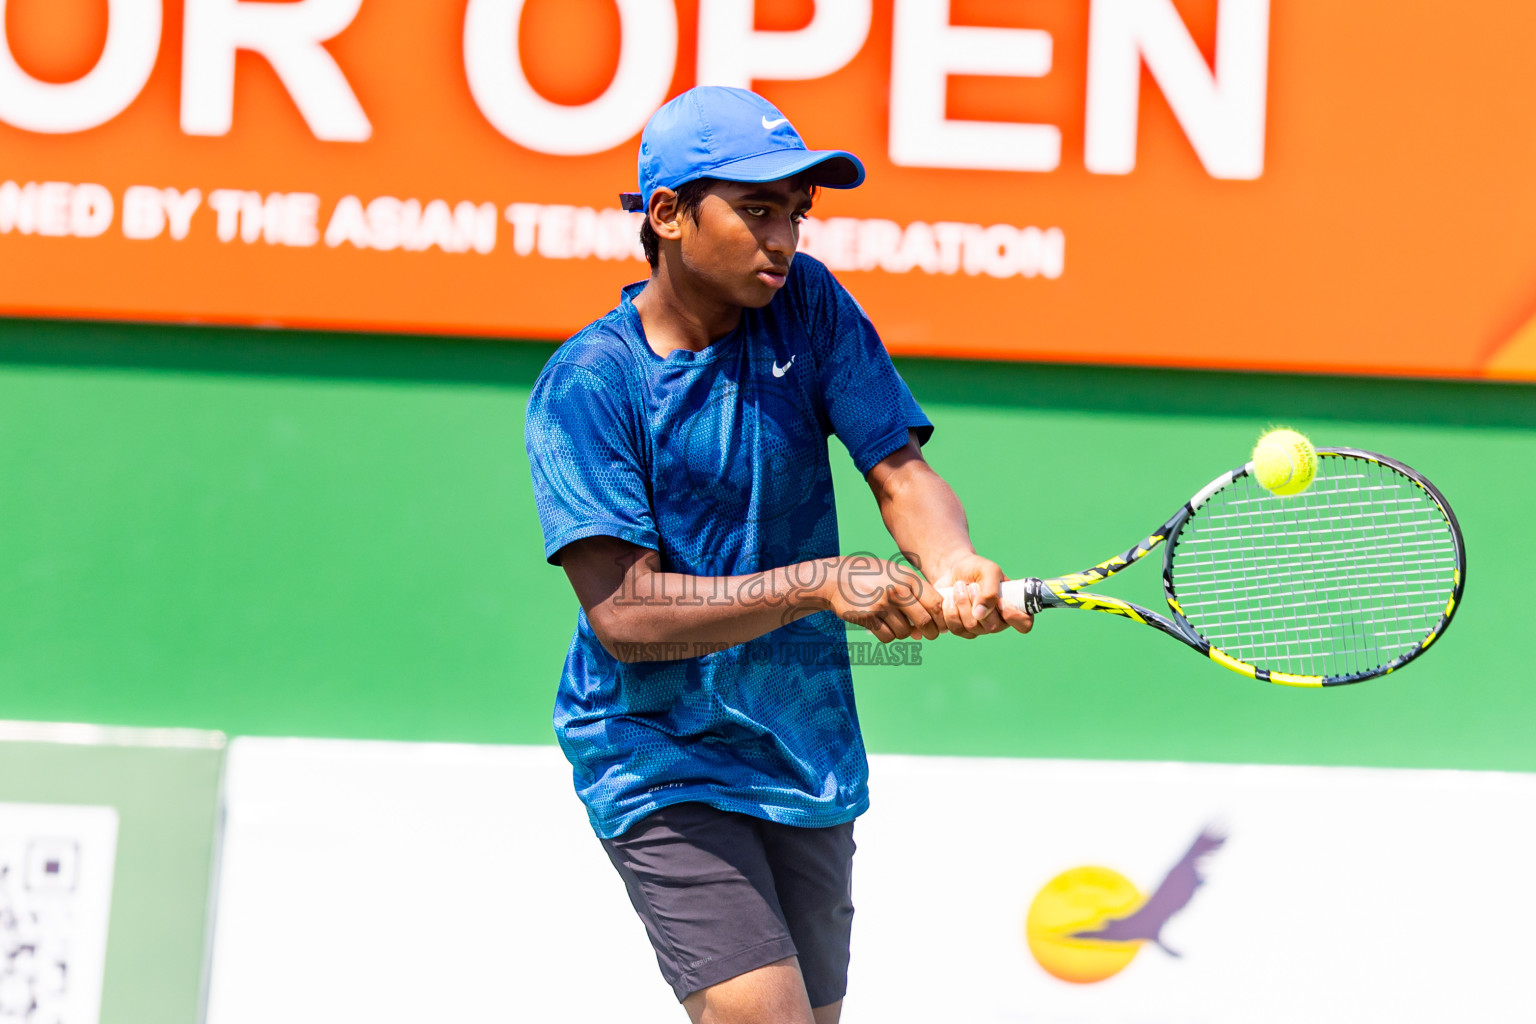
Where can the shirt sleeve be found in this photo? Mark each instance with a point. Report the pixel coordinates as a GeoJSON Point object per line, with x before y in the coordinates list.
{"type": "Point", "coordinates": [589, 479]}
{"type": "Point", "coordinates": [870, 407]}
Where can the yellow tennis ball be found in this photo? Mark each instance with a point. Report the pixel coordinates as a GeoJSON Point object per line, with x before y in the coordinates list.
{"type": "Point", "coordinates": [1284, 462]}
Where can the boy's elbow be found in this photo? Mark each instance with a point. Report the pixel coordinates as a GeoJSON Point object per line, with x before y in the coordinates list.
{"type": "Point", "coordinates": [612, 628]}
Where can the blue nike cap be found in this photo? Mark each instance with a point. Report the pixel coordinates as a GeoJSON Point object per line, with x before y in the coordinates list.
{"type": "Point", "coordinates": [713, 131]}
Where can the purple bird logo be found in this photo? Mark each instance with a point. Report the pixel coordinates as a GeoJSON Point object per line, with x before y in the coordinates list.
{"type": "Point", "coordinates": [1088, 923]}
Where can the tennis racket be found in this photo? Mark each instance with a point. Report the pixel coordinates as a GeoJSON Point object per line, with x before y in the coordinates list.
{"type": "Point", "coordinates": [1349, 580]}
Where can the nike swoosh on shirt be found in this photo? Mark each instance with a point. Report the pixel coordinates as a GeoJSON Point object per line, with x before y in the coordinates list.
{"type": "Point", "coordinates": [771, 125]}
{"type": "Point", "coordinates": [779, 371]}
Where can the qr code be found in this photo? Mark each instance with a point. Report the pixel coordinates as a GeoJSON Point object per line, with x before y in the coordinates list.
{"type": "Point", "coordinates": [55, 896]}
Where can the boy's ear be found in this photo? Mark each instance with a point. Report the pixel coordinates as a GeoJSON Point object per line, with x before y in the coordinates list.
{"type": "Point", "coordinates": [664, 214]}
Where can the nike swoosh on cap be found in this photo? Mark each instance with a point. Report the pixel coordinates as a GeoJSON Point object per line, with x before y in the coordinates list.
{"type": "Point", "coordinates": [771, 125]}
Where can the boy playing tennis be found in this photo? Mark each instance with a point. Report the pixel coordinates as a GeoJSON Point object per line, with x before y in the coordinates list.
{"type": "Point", "coordinates": [680, 465]}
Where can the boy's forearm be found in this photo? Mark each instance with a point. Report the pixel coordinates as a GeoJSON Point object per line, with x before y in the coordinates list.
{"type": "Point", "coordinates": [661, 616]}
{"type": "Point", "coordinates": [925, 518]}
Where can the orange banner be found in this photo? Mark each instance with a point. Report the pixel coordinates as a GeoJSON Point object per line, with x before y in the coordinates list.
{"type": "Point", "coordinates": [1313, 185]}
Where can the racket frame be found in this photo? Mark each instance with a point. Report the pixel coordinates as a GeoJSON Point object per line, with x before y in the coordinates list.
{"type": "Point", "coordinates": [1067, 591]}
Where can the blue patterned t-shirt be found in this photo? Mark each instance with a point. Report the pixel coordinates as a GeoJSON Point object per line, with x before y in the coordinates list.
{"type": "Point", "coordinates": [717, 460]}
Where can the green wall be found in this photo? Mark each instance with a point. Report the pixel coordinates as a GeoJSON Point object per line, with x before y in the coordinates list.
{"type": "Point", "coordinates": [331, 535]}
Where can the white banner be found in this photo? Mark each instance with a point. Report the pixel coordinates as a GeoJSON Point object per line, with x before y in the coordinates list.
{"type": "Point", "coordinates": [399, 882]}
{"type": "Point", "coordinates": [1329, 894]}
{"type": "Point", "coordinates": [56, 868]}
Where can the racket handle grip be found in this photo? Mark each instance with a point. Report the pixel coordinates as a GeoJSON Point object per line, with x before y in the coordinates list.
{"type": "Point", "coordinates": [1024, 594]}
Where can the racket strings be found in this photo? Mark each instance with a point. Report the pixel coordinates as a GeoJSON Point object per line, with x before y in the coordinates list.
{"type": "Point", "coordinates": [1338, 580]}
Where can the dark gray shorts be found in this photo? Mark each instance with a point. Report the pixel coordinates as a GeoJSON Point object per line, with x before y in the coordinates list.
{"type": "Point", "coordinates": [722, 894]}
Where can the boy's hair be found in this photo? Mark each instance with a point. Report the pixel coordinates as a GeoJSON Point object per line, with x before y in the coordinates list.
{"type": "Point", "coordinates": [689, 195]}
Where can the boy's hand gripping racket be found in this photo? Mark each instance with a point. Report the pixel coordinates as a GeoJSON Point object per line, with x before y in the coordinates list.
{"type": "Point", "coordinates": [1349, 580]}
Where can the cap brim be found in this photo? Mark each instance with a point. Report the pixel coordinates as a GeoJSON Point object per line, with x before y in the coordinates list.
{"type": "Point", "coordinates": [830, 168]}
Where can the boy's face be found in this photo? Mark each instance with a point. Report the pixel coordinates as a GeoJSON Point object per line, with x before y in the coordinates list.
{"type": "Point", "coordinates": [742, 237]}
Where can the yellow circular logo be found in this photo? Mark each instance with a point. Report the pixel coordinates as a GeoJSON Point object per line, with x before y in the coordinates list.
{"type": "Point", "coordinates": [1075, 901]}
{"type": "Point", "coordinates": [1087, 923]}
